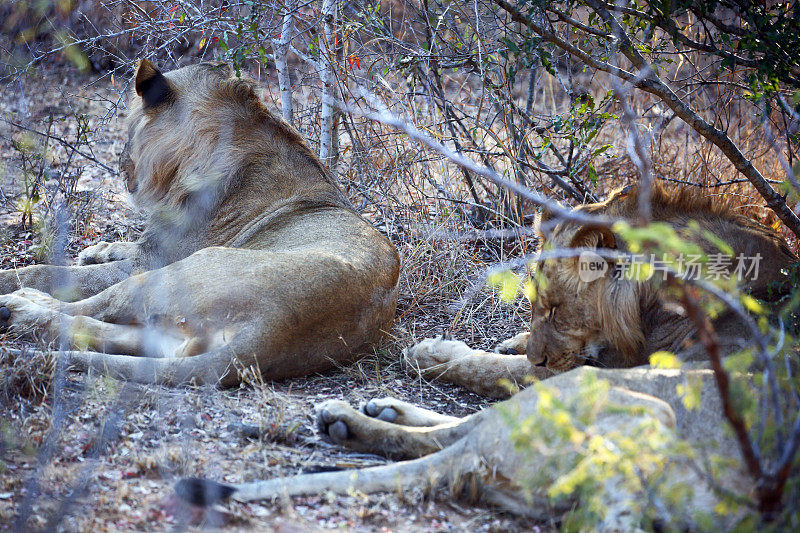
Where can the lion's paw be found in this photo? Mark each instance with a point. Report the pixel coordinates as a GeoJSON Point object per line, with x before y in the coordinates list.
{"type": "Point", "coordinates": [431, 354]}
{"type": "Point", "coordinates": [386, 409]}
{"type": "Point", "coordinates": [106, 252]}
{"type": "Point", "coordinates": [516, 345]}
{"type": "Point", "coordinates": [332, 418]}
{"type": "Point", "coordinates": [20, 314]}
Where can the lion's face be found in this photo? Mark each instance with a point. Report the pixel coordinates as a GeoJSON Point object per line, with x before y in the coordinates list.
{"type": "Point", "coordinates": [613, 320]}
{"type": "Point", "coordinates": [566, 327]}
{"type": "Point", "coordinates": [575, 320]}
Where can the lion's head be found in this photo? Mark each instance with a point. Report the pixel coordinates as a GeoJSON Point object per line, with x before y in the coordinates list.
{"type": "Point", "coordinates": [177, 142]}
{"type": "Point", "coordinates": [198, 132]}
{"type": "Point", "coordinates": [612, 320]}
{"type": "Point", "coordinates": [573, 320]}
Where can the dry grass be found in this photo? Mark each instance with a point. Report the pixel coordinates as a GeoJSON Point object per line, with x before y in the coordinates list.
{"type": "Point", "coordinates": [26, 374]}
{"type": "Point", "coordinates": [97, 455]}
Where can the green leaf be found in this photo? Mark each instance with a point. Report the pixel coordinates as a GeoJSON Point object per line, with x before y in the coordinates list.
{"type": "Point", "coordinates": [690, 392]}
{"type": "Point", "coordinates": [739, 362]}
{"type": "Point", "coordinates": [592, 174]}
{"type": "Point", "coordinates": [721, 245]}
{"type": "Point", "coordinates": [507, 284]}
{"type": "Point", "coordinates": [753, 305]}
{"type": "Point", "coordinates": [529, 290]}
{"type": "Point", "coordinates": [663, 359]}
{"type": "Point", "coordinates": [787, 188]}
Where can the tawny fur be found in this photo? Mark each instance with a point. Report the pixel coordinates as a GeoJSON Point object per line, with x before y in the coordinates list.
{"type": "Point", "coordinates": [480, 451]}
{"type": "Point", "coordinates": [625, 320]}
{"type": "Point", "coordinates": [252, 255]}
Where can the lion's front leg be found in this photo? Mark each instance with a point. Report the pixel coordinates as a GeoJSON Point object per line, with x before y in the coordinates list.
{"type": "Point", "coordinates": [516, 345]}
{"type": "Point", "coordinates": [343, 425]}
{"type": "Point", "coordinates": [485, 373]}
{"type": "Point", "coordinates": [67, 283]}
{"type": "Point", "coordinates": [107, 252]}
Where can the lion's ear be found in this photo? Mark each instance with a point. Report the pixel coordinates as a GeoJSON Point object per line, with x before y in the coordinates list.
{"type": "Point", "coordinates": [593, 237]}
{"type": "Point", "coordinates": [151, 85]}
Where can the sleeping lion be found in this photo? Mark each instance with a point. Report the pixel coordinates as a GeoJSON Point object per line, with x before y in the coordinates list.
{"type": "Point", "coordinates": [616, 445]}
{"type": "Point", "coordinates": [615, 321]}
{"type": "Point", "coordinates": [252, 256]}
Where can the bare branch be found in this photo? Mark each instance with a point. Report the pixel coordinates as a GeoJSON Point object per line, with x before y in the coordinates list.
{"type": "Point", "coordinates": [647, 80]}
{"type": "Point", "coordinates": [384, 116]}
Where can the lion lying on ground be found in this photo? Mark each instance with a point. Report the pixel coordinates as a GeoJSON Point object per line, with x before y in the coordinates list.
{"type": "Point", "coordinates": [536, 453]}
{"type": "Point", "coordinates": [252, 256]}
{"type": "Point", "coordinates": [487, 456]}
{"type": "Point", "coordinates": [614, 321]}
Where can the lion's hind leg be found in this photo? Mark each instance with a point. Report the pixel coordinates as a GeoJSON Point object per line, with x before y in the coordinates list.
{"type": "Point", "coordinates": [28, 310]}
{"type": "Point", "coordinates": [345, 426]}
{"type": "Point", "coordinates": [404, 413]}
{"type": "Point", "coordinates": [147, 354]}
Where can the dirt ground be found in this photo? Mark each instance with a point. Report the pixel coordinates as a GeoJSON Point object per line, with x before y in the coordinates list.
{"type": "Point", "coordinates": [87, 453]}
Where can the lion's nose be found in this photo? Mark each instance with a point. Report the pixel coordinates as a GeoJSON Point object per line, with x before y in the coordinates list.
{"type": "Point", "coordinates": [535, 349]}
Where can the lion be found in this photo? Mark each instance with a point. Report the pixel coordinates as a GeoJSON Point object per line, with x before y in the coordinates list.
{"type": "Point", "coordinates": [615, 321]}
{"type": "Point", "coordinates": [251, 257]}
{"type": "Point", "coordinates": [577, 327]}
{"type": "Point", "coordinates": [482, 456]}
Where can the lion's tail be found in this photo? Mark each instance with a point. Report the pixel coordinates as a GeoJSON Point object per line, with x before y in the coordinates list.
{"type": "Point", "coordinates": [425, 473]}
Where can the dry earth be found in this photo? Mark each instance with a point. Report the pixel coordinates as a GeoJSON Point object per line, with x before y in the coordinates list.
{"type": "Point", "coordinates": [89, 453]}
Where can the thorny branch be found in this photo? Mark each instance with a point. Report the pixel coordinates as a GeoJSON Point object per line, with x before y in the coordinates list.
{"type": "Point", "coordinates": [647, 80]}
{"type": "Point", "coordinates": [384, 116]}
{"type": "Point", "coordinates": [769, 482]}
{"type": "Point", "coordinates": [62, 142]}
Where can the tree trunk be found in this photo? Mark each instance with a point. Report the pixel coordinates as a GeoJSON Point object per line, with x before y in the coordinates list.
{"type": "Point", "coordinates": [280, 49]}
{"type": "Point", "coordinates": [328, 137]}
